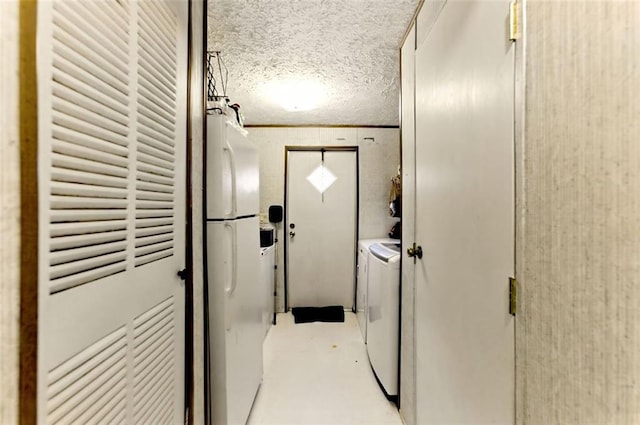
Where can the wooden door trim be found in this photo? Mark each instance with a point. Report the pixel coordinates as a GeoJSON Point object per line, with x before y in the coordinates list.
{"type": "Point", "coordinates": [29, 294]}
{"type": "Point", "coordinates": [288, 149]}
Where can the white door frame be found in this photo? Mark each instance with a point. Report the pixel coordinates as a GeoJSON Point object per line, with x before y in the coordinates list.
{"type": "Point", "coordinates": [288, 149]}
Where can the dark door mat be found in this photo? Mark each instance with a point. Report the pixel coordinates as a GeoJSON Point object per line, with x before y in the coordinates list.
{"type": "Point", "coordinates": [333, 313]}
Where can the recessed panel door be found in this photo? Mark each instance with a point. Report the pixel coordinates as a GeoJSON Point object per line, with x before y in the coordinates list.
{"type": "Point", "coordinates": [464, 217]}
{"type": "Point", "coordinates": [320, 227]}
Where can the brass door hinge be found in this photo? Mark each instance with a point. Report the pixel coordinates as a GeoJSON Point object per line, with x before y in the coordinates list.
{"type": "Point", "coordinates": [513, 296]}
{"type": "Point", "coordinates": [514, 20]}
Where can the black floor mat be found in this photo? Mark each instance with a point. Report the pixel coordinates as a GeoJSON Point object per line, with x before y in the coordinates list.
{"type": "Point", "coordinates": [334, 313]}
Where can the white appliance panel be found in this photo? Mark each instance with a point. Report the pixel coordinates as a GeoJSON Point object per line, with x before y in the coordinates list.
{"type": "Point", "coordinates": [267, 270]}
{"type": "Point", "coordinates": [235, 316]}
{"type": "Point", "coordinates": [383, 320]}
{"type": "Point", "coordinates": [233, 178]}
{"type": "Point", "coordinates": [362, 280]}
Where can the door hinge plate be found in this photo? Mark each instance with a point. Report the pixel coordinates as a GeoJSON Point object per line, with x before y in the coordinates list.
{"type": "Point", "coordinates": [514, 20]}
{"type": "Point", "coordinates": [513, 296]}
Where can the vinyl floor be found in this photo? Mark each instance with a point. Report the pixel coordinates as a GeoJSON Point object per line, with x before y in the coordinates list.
{"type": "Point", "coordinates": [319, 374]}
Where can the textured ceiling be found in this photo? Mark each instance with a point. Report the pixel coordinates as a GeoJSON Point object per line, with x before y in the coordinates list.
{"type": "Point", "coordinates": [349, 48]}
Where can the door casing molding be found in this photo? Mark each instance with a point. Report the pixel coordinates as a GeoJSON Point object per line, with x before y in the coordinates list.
{"type": "Point", "coordinates": [288, 149]}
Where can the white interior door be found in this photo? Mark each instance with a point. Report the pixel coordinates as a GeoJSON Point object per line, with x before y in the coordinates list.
{"type": "Point", "coordinates": [407, 281]}
{"type": "Point", "coordinates": [464, 217]}
{"type": "Point", "coordinates": [111, 143]}
{"type": "Point", "coordinates": [320, 227]}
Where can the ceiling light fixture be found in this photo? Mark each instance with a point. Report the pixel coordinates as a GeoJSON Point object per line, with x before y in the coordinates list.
{"type": "Point", "coordinates": [296, 95]}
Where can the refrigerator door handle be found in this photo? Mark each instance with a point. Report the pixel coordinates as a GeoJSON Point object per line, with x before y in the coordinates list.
{"type": "Point", "coordinates": [232, 163]}
{"type": "Point", "coordinates": [234, 251]}
{"type": "Point", "coordinates": [234, 275]}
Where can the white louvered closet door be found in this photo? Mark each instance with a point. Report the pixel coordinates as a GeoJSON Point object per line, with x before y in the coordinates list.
{"type": "Point", "coordinates": [111, 145]}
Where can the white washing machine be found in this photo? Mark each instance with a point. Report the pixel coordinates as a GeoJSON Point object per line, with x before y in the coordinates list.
{"type": "Point", "coordinates": [383, 320]}
{"type": "Point", "coordinates": [362, 280]}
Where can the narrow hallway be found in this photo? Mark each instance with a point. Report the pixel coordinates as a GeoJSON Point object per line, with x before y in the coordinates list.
{"type": "Point", "coordinates": [319, 374]}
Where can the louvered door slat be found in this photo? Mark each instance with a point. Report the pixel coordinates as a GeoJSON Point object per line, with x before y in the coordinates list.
{"type": "Point", "coordinates": [151, 25]}
{"type": "Point", "coordinates": [65, 74]}
{"type": "Point", "coordinates": [104, 31]}
{"type": "Point", "coordinates": [77, 48]}
{"type": "Point", "coordinates": [87, 190]}
{"type": "Point", "coordinates": [154, 400]}
{"type": "Point", "coordinates": [92, 146]}
{"type": "Point", "coordinates": [152, 160]}
{"type": "Point", "coordinates": [75, 176]}
{"type": "Point", "coordinates": [88, 396]}
{"type": "Point", "coordinates": [150, 141]}
{"type": "Point", "coordinates": [160, 86]}
{"type": "Point", "coordinates": [76, 203]}
{"type": "Point", "coordinates": [90, 382]}
{"type": "Point", "coordinates": [155, 67]}
{"type": "Point", "coordinates": [119, 8]}
{"type": "Point", "coordinates": [150, 91]}
{"type": "Point", "coordinates": [155, 122]}
{"type": "Point", "coordinates": [91, 129]}
{"type": "Point", "coordinates": [86, 215]}
{"type": "Point", "coordinates": [166, 19]}
{"type": "Point", "coordinates": [90, 31]}
{"type": "Point", "coordinates": [80, 112]}
{"type": "Point", "coordinates": [153, 364]}
{"type": "Point", "coordinates": [103, 413]}
{"type": "Point", "coordinates": [150, 331]}
{"type": "Point", "coordinates": [79, 278]}
{"type": "Point", "coordinates": [153, 170]}
{"type": "Point", "coordinates": [153, 230]}
{"type": "Point", "coordinates": [148, 108]}
{"type": "Point", "coordinates": [159, 247]}
{"type": "Point", "coordinates": [86, 378]}
{"type": "Point", "coordinates": [156, 118]}
{"type": "Point", "coordinates": [156, 223]}
{"type": "Point", "coordinates": [157, 255]}
{"type": "Point", "coordinates": [111, 16]}
{"type": "Point", "coordinates": [159, 416]}
{"type": "Point", "coordinates": [154, 205]}
{"type": "Point", "coordinates": [58, 230]}
{"type": "Point", "coordinates": [143, 215]}
{"type": "Point", "coordinates": [154, 178]}
{"type": "Point", "coordinates": [80, 164]}
{"type": "Point", "coordinates": [115, 414]}
{"type": "Point", "coordinates": [155, 153]}
{"type": "Point", "coordinates": [84, 265]}
{"type": "Point", "coordinates": [153, 187]}
{"type": "Point", "coordinates": [87, 102]}
{"type": "Point", "coordinates": [156, 241]}
{"type": "Point", "coordinates": [162, 199]}
{"type": "Point", "coordinates": [86, 257]}
{"type": "Point", "coordinates": [158, 83]}
{"type": "Point", "coordinates": [68, 61]}
{"type": "Point", "coordinates": [82, 241]}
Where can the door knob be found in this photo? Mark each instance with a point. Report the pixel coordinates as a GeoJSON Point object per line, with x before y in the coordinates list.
{"type": "Point", "coordinates": [292, 234]}
{"type": "Point", "coordinates": [415, 251]}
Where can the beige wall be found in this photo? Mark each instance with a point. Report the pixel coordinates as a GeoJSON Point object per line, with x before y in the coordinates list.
{"type": "Point", "coordinates": [10, 213]}
{"type": "Point", "coordinates": [379, 160]}
{"type": "Point", "coordinates": [578, 235]}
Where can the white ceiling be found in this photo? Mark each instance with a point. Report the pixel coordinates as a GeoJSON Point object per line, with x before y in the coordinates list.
{"type": "Point", "coordinates": [349, 47]}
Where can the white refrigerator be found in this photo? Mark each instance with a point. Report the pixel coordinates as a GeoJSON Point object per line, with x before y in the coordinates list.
{"type": "Point", "coordinates": [233, 263]}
